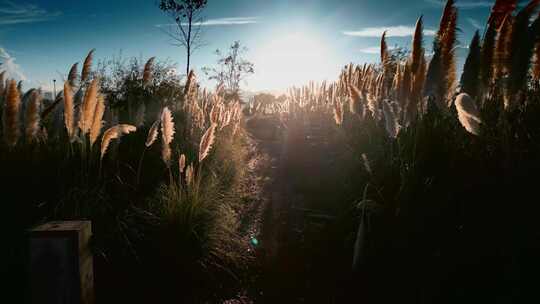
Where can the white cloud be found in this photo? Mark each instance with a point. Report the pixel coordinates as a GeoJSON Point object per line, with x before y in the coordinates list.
{"type": "Point", "coordinates": [391, 31]}
{"type": "Point", "coordinates": [7, 63]}
{"type": "Point", "coordinates": [374, 49]}
{"type": "Point", "coordinates": [463, 5]}
{"type": "Point", "coordinates": [229, 21]}
{"type": "Point", "coordinates": [475, 23]}
{"type": "Point", "coordinates": [16, 13]}
{"type": "Point", "coordinates": [220, 22]}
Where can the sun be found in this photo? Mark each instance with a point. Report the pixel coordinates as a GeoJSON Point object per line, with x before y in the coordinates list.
{"type": "Point", "coordinates": [292, 59]}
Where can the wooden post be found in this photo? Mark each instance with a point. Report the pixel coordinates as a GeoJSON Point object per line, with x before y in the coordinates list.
{"type": "Point", "coordinates": [61, 263]}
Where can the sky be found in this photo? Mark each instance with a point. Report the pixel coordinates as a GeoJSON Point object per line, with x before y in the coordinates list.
{"type": "Point", "coordinates": [290, 42]}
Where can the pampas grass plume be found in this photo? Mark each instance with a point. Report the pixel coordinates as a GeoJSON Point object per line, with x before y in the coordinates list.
{"type": "Point", "coordinates": [114, 133]}
{"type": "Point", "coordinates": [10, 115]}
{"type": "Point", "coordinates": [468, 113]}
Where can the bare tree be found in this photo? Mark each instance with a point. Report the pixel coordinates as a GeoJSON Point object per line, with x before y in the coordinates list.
{"type": "Point", "coordinates": [232, 68]}
{"type": "Point", "coordinates": [187, 28]}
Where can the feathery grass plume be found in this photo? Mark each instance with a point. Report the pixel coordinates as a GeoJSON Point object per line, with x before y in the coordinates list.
{"type": "Point", "coordinates": [10, 115]}
{"type": "Point", "coordinates": [207, 141]}
{"type": "Point", "coordinates": [447, 38]}
{"type": "Point", "coordinates": [502, 48]}
{"type": "Point", "coordinates": [69, 108]}
{"type": "Point", "coordinates": [152, 133]}
{"type": "Point", "coordinates": [488, 56]}
{"type": "Point", "coordinates": [384, 50]}
{"type": "Point", "coordinates": [88, 106]}
{"type": "Point", "coordinates": [31, 117]}
{"type": "Point", "coordinates": [338, 112]}
{"type": "Point", "coordinates": [167, 134]}
{"type": "Point", "coordinates": [72, 76]}
{"type": "Point", "coordinates": [190, 175]}
{"type": "Point", "coordinates": [390, 120]}
{"type": "Point", "coordinates": [468, 113]}
{"type": "Point", "coordinates": [87, 66]}
{"type": "Point", "coordinates": [522, 46]}
{"type": "Point", "coordinates": [355, 100]}
{"type": "Point", "coordinates": [189, 81]}
{"type": "Point", "coordinates": [417, 54]}
{"type": "Point", "coordinates": [470, 79]}
{"type": "Point", "coordinates": [419, 78]}
{"type": "Point", "coordinates": [97, 122]}
{"type": "Point", "coordinates": [182, 163]}
{"type": "Point", "coordinates": [500, 10]}
{"type": "Point", "coordinates": [147, 74]}
{"type": "Point", "coordinates": [114, 133]}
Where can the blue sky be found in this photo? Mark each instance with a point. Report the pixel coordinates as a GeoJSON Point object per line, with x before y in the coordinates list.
{"type": "Point", "coordinates": [290, 42]}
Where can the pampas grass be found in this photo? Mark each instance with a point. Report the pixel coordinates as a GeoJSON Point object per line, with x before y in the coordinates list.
{"type": "Point", "coordinates": [115, 132]}
{"type": "Point", "coordinates": [417, 54]}
{"type": "Point", "coordinates": [167, 134]}
{"type": "Point", "coordinates": [10, 115]}
{"type": "Point", "coordinates": [384, 50]}
{"type": "Point", "coordinates": [470, 79]}
{"type": "Point", "coordinates": [32, 117]}
{"type": "Point", "coordinates": [73, 75]}
{"type": "Point", "coordinates": [390, 120]}
{"type": "Point", "coordinates": [88, 107]}
{"type": "Point", "coordinates": [153, 133]}
{"type": "Point", "coordinates": [182, 163]}
{"type": "Point", "coordinates": [207, 142]}
{"type": "Point", "coordinates": [147, 73]}
{"type": "Point", "coordinates": [97, 122]}
{"type": "Point", "coordinates": [468, 113]}
{"type": "Point", "coordinates": [87, 66]}
{"type": "Point", "coordinates": [69, 111]}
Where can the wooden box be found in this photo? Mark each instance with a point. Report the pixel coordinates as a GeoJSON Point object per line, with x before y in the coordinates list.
{"type": "Point", "coordinates": [61, 263]}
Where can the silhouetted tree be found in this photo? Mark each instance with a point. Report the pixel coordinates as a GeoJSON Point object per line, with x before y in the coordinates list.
{"type": "Point", "coordinates": [186, 31]}
{"type": "Point", "coordinates": [232, 68]}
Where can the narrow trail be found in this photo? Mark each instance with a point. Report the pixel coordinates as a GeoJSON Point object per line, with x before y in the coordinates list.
{"type": "Point", "coordinates": [292, 165]}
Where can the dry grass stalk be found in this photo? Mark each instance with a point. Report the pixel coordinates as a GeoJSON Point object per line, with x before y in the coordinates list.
{"type": "Point", "coordinates": [338, 112]}
{"type": "Point", "coordinates": [152, 133]}
{"type": "Point", "coordinates": [89, 106]}
{"type": "Point", "coordinates": [384, 50]}
{"type": "Point", "coordinates": [97, 122]}
{"type": "Point", "coordinates": [417, 54]}
{"type": "Point", "coordinates": [190, 175]}
{"type": "Point", "coordinates": [167, 134]}
{"type": "Point", "coordinates": [10, 115]}
{"type": "Point", "coordinates": [390, 120]}
{"type": "Point", "coordinates": [72, 76]}
{"type": "Point", "coordinates": [355, 100]}
{"type": "Point", "coordinates": [207, 142]}
{"type": "Point", "coordinates": [502, 48]}
{"type": "Point", "coordinates": [69, 108]}
{"type": "Point", "coordinates": [114, 133]}
{"type": "Point", "coordinates": [87, 67]}
{"type": "Point", "coordinates": [182, 163]}
{"type": "Point", "coordinates": [147, 74]}
{"type": "Point", "coordinates": [32, 117]}
{"type": "Point", "coordinates": [468, 113]}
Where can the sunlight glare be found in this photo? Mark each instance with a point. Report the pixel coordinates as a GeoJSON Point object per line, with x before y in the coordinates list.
{"type": "Point", "coordinates": [292, 58]}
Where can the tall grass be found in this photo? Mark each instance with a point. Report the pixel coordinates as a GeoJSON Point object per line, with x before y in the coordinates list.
{"type": "Point", "coordinates": [90, 154]}
{"type": "Point", "coordinates": [448, 163]}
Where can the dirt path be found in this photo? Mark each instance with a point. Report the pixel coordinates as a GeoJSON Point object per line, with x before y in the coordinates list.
{"type": "Point", "coordinates": [289, 171]}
